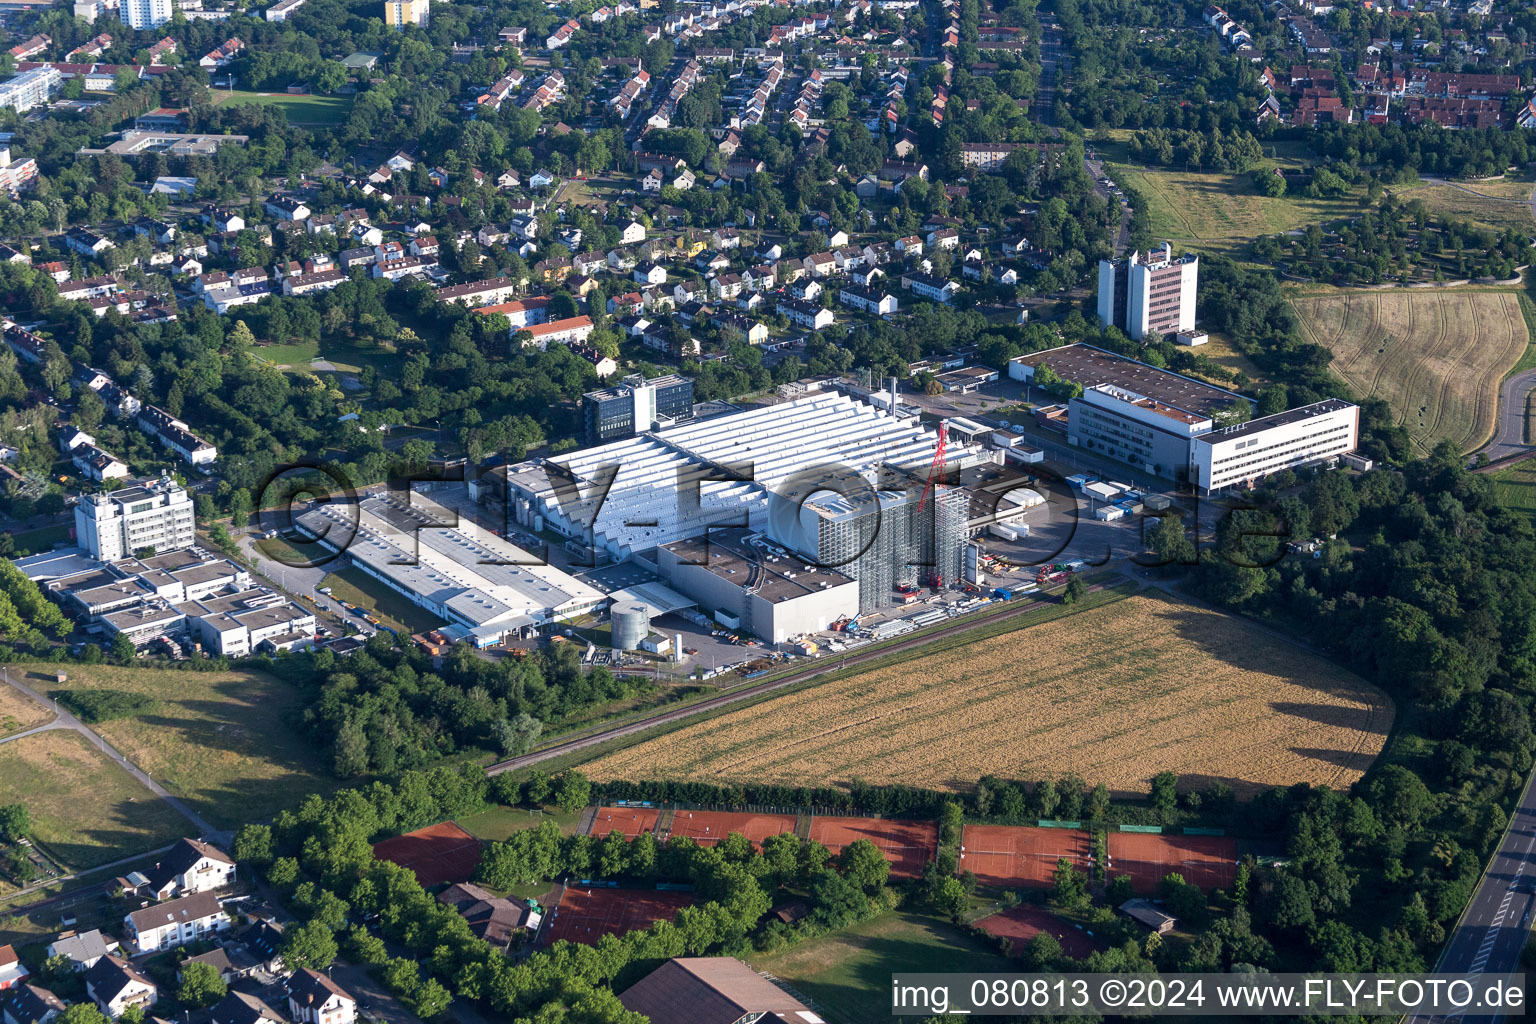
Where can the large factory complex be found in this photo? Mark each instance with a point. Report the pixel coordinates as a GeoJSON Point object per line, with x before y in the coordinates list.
{"type": "Point", "coordinates": [777, 520]}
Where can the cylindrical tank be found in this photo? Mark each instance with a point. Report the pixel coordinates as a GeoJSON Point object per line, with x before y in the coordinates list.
{"type": "Point", "coordinates": [631, 622]}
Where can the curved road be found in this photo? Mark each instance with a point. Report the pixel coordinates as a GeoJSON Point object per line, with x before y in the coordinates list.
{"type": "Point", "coordinates": [65, 720]}
{"type": "Point", "coordinates": [1509, 427]}
{"type": "Point", "coordinates": [821, 667]}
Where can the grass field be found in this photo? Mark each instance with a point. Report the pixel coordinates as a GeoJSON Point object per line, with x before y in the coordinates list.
{"type": "Point", "coordinates": [498, 823]}
{"type": "Point", "coordinates": [1436, 356]}
{"type": "Point", "coordinates": [1222, 212]}
{"type": "Point", "coordinates": [219, 740]}
{"type": "Point", "coordinates": [847, 975]}
{"type": "Point", "coordinates": [30, 542]}
{"type": "Point", "coordinates": [1116, 694]}
{"type": "Point", "coordinates": [300, 109]}
{"type": "Point", "coordinates": [1497, 204]}
{"type": "Point", "coordinates": [85, 809]}
{"type": "Point", "coordinates": [19, 712]}
{"type": "Point", "coordinates": [1515, 488]}
{"type": "Point", "coordinates": [356, 587]}
{"type": "Point", "coordinates": [290, 357]}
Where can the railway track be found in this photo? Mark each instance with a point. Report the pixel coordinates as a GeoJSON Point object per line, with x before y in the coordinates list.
{"type": "Point", "coordinates": [724, 700]}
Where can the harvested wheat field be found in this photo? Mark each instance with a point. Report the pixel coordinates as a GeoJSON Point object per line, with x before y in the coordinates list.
{"type": "Point", "coordinates": [1436, 357]}
{"type": "Point", "coordinates": [1116, 694]}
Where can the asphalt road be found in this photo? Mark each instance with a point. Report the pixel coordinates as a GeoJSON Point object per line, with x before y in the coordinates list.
{"type": "Point", "coordinates": [1493, 929]}
{"type": "Point", "coordinates": [1509, 429]}
{"type": "Point", "coordinates": [65, 720]}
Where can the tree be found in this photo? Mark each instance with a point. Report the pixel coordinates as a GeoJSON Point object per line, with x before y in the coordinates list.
{"type": "Point", "coordinates": [573, 792]}
{"type": "Point", "coordinates": [123, 651]}
{"type": "Point", "coordinates": [1070, 886]}
{"type": "Point", "coordinates": [308, 945]}
{"type": "Point", "coordinates": [862, 863]}
{"type": "Point", "coordinates": [82, 1013]}
{"type": "Point", "coordinates": [1169, 544]}
{"type": "Point", "coordinates": [951, 899]}
{"type": "Point", "coordinates": [201, 985]}
{"type": "Point", "coordinates": [1075, 592]}
{"type": "Point", "coordinates": [253, 844]}
{"type": "Point", "coordinates": [1165, 793]}
{"type": "Point", "coordinates": [15, 822]}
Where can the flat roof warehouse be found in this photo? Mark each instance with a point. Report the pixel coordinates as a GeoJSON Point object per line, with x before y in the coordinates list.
{"type": "Point", "coordinates": [1091, 366]}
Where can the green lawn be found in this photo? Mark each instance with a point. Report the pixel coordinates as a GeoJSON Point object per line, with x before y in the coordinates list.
{"type": "Point", "coordinates": [85, 809]}
{"type": "Point", "coordinates": [30, 542]}
{"type": "Point", "coordinates": [356, 587]}
{"type": "Point", "coordinates": [222, 741]}
{"type": "Point", "coordinates": [293, 357]}
{"type": "Point", "coordinates": [1515, 488]}
{"type": "Point", "coordinates": [300, 109]}
{"type": "Point", "coordinates": [848, 974]}
{"type": "Point", "coordinates": [498, 823]}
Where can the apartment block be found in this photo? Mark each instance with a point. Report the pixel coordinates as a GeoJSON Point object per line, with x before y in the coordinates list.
{"type": "Point", "coordinates": [1149, 292]}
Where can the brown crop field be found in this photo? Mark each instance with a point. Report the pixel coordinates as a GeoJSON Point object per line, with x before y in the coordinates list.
{"type": "Point", "coordinates": [1117, 694]}
{"type": "Point", "coordinates": [1436, 357]}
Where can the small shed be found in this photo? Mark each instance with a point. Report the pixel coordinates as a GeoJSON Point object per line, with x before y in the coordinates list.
{"type": "Point", "coordinates": [1144, 913]}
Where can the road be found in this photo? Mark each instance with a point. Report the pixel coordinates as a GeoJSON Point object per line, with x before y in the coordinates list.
{"type": "Point", "coordinates": [821, 667]}
{"type": "Point", "coordinates": [1493, 929]}
{"type": "Point", "coordinates": [65, 720]}
{"type": "Point", "coordinates": [1509, 431]}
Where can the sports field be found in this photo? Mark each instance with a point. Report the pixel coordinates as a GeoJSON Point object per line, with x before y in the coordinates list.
{"type": "Point", "coordinates": [709, 827]}
{"type": "Point", "coordinates": [221, 741]}
{"type": "Point", "coordinates": [848, 973]}
{"type": "Point", "coordinates": [315, 110]}
{"type": "Point", "coordinates": [85, 809]}
{"type": "Point", "coordinates": [1222, 212]}
{"type": "Point", "coordinates": [586, 915]}
{"type": "Point", "coordinates": [1209, 862]}
{"type": "Point", "coordinates": [908, 845]}
{"type": "Point", "coordinates": [1436, 356]}
{"type": "Point", "coordinates": [1024, 922]}
{"type": "Point", "coordinates": [1017, 856]}
{"type": "Point", "coordinates": [632, 822]}
{"type": "Point", "coordinates": [1117, 693]}
{"type": "Point", "coordinates": [438, 853]}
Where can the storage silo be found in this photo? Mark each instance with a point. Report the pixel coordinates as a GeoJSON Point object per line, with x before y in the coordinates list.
{"type": "Point", "coordinates": [631, 623]}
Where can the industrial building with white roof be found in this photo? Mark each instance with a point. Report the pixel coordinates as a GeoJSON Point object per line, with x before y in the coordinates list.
{"type": "Point", "coordinates": [485, 587]}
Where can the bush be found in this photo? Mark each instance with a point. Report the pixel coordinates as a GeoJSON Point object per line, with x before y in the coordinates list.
{"type": "Point", "coordinates": [92, 706]}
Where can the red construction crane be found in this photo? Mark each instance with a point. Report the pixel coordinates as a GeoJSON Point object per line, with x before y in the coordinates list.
{"type": "Point", "coordinates": [935, 476]}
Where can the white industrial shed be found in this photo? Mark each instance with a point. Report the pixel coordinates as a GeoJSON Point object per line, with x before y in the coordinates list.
{"type": "Point", "coordinates": [460, 574]}
{"type": "Point", "coordinates": [675, 483]}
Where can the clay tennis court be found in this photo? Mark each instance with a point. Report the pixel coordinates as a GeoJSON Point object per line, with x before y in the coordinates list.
{"type": "Point", "coordinates": [437, 854]}
{"type": "Point", "coordinates": [1018, 855]}
{"type": "Point", "coordinates": [709, 827]}
{"type": "Point", "coordinates": [586, 915]}
{"type": "Point", "coordinates": [908, 845]}
{"type": "Point", "coordinates": [1024, 922]}
{"type": "Point", "coordinates": [633, 822]}
{"type": "Point", "coordinates": [1209, 862]}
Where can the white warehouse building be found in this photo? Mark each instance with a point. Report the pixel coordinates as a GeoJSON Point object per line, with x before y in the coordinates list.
{"type": "Point", "coordinates": [658, 488]}
{"type": "Point", "coordinates": [486, 588]}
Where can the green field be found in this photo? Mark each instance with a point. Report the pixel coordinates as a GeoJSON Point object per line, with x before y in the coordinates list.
{"type": "Point", "coordinates": [1222, 212]}
{"type": "Point", "coordinates": [30, 542]}
{"type": "Point", "coordinates": [85, 809]}
{"type": "Point", "coordinates": [300, 109]}
{"type": "Point", "coordinates": [847, 975]}
{"type": "Point", "coordinates": [1515, 488]}
{"type": "Point", "coordinates": [291, 357]}
{"type": "Point", "coordinates": [498, 823]}
{"type": "Point", "coordinates": [356, 587]}
{"type": "Point", "coordinates": [222, 741]}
